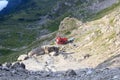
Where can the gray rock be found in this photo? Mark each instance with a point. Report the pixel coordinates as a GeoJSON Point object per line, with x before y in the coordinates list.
{"type": "Point", "coordinates": [36, 52]}
{"type": "Point", "coordinates": [89, 72]}
{"type": "Point", "coordinates": [22, 65]}
{"type": "Point", "coordinates": [53, 54]}
{"type": "Point", "coordinates": [18, 65]}
{"type": "Point", "coordinates": [116, 77]}
{"type": "Point", "coordinates": [5, 68]}
{"type": "Point", "coordinates": [48, 49]}
{"type": "Point", "coordinates": [0, 67]}
{"type": "Point", "coordinates": [70, 73]}
{"type": "Point", "coordinates": [13, 72]}
{"type": "Point", "coordinates": [86, 56]}
{"type": "Point", "coordinates": [8, 65]}
{"type": "Point", "coordinates": [46, 74]}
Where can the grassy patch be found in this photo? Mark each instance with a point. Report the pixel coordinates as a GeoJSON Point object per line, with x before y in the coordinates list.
{"type": "Point", "coordinates": [67, 33]}
{"type": "Point", "coordinates": [112, 22]}
{"type": "Point", "coordinates": [14, 38]}
{"type": "Point", "coordinates": [14, 23]}
{"type": "Point", "coordinates": [13, 55]}
{"type": "Point", "coordinates": [5, 55]}
{"type": "Point", "coordinates": [112, 35]}
{"type": "Point", "coordinates": [53, 25]}
{"type": "Point", "coordinates": [4, 52]}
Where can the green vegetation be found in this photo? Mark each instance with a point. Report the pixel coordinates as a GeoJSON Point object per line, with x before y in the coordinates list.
{"type": "Point", "coordinates": [4, 55]}
{"type": "Point", "coordinates": [67, 33]}
{"type": "Point", "coordinates": [19, 29]}
{"type": "Point", "coordinates": [13, 55]}
{"type": "Point", "coordinates": [4, 52]}
{"type": "Point", "coordinates": [16, 29]}
{"type": "Point", "coordinates": [53, 25]}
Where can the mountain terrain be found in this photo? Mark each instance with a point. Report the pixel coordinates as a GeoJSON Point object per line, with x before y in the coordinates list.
{"type": "Point", "coordinates": [93, 55]}
{"type": "Point", "coordinates": [96, 44]}
{"type": "Point", "coordinates": [27, 23]}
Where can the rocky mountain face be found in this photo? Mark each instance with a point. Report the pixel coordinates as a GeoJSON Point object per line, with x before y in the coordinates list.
{"type": "Point", "coordinates": [93, 55]}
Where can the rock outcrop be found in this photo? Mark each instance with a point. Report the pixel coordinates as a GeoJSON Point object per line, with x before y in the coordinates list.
{"type": "Point", "coordinates": [36, 52]}
{"type": "Point", "coordinates": [22, 57]}
{"type": "Point", "coordinates": [46, 49]}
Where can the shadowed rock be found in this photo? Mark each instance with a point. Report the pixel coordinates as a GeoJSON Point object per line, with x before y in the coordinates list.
{"type": "Point", "coordinates": [44, 50]}
{"type": "Point", "coordinates": [8, 65]}
{"type": "Point", "coordinates": [50, 49]}
{"type": "Point", "coordinates": [70, 73]}
{"type": "Point", "coordinates": [18, 65]}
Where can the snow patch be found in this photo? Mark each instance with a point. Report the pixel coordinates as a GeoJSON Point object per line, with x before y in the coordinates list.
{"type": "Point", "coordinates": [3, 4]}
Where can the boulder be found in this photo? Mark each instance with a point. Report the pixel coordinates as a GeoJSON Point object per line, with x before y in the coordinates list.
{"type": "Point", "coordinates": [22, 57]}
{"type": "Point", "coordinates": [7, 65]}
{"type": "Point", "coordinates": [86, 56]}
{"type": "Point", "coordinates": [36, 52]}
{"type": "Point", "coordinates": [48, 49]}
{"type": "Point", "coordinates": [18, 65]}
{"type": "Point", "coordinates": [22, 65]}
{"type": "Point", "coordinates": [53, 53]}
{"type": "Point", "coordinates": [70, 73]}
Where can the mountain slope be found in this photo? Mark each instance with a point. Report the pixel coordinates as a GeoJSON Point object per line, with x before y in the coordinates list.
{"type": "Point", "coordinates": [93, 55]}
{"type": "Point", "coordinates": [96, 45]}
{"type": "Point", "coordinates": [20, 28]}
